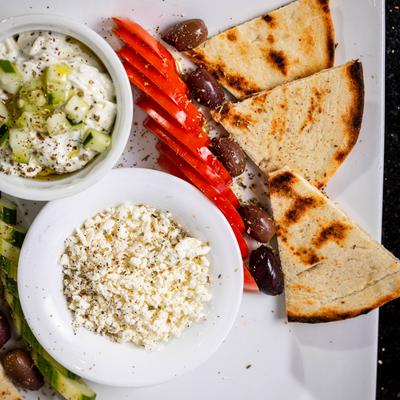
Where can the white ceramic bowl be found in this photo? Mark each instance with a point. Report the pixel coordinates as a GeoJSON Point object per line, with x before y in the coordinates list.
{"type": "Point", "coordinates": [65, 186]}
{"type": "Point", "coordinates": [95, 357]}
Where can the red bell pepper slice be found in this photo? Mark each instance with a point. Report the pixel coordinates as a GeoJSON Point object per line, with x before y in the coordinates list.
{"type": "Point", "coordinates": [170, 75]}
{"type": "Point", "coordinates": [186, 118]}
{"type": "Point", "coordinates": [168, 166]}
{"type": "Point", "coordinates": [192, 141]}
{"type": "Point", "coordinates": [224, 205]}
{"type": "Point", "coordinates": [199, 165]}
{"type": "Point", "coordinates": [195, 143]}
{"type": "Point", "coordinates": [134, 43]}
{"type": "Point", "coordinates": [145, 37]}
{"type": "Point", "coordinates": [249, 283]}
{"type": "Point", "coordinates": [244, 249]}
{"type": "Point", "coordinates": [176, 90]}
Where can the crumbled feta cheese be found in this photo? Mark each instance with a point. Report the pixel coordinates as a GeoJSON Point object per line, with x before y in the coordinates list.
{"type": "Point", "coordinates": [132, 273]}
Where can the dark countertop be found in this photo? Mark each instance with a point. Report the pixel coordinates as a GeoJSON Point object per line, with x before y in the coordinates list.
{"type": "Point", "coordinates": [388, 384]}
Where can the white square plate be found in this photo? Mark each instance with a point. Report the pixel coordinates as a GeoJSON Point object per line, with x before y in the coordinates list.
{"type": "Point", "coordinates": [264, 357]}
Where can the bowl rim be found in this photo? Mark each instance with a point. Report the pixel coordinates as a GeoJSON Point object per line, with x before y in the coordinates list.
{"type": "Point", "coordinates": [30, 189]}
{"type": "Point", "coordinates": [27, 295]}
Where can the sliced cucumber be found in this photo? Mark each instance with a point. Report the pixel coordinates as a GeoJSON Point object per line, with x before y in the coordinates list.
{"type": "Point", "coordinates": [12, 287]}
{"type": "Point", "coordinates": [18, 316]}
{"type": "Point", "coordinates": [57, 123]}
{"type": "Point", "coordinates": [95, 140]}
{"type": "Point", "coordinates": [8, 212]}
{"type": "Point", "coordinates": [28, 335]}
{"type": "Point", "coordinates": [9, 267]}
{"type": "Point", "coordinates": [69, 385]}
{"type": "Point", "coordinates": [9, 251]}
{"type": "Point", "coordinates": [56, 77]}
{"type": "Point", "coordinates": [4, 114]}
{"type": "Point", "coordinates": [10, 78]}
{"type": "Point", "coordinates": [20, 145]}
{"type": "Point", "coordinates": [9, 255]}
{"type": "Point", "coordinates": [69, 388]}
{"type": "Point", "coordinates": [76, 109]}
{"type": "Point", "coordinates": [10, 299]}
{"type": "Point", "coordinates": [12, 234]}
{"type": "Point", "coordinates": [55, 364]}
{"type": "Point", "coordinates": [4, 135]}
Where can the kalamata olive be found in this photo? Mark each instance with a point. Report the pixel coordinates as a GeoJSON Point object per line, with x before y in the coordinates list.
{"type": "Point", "coordinates": [5, 331]}
{"type": "Point", "coordinates": [230, 154]}
{"type": "Point", "coordinates": [186, 35]}
{"type": "Point", "coordinates": [259, 225]}
{"type": "Point", "coordinates": [204, 88]}
{"type": "Point", "coordinates": [19, 367]}
{"type": "Point", "coordinates": [266, 270]}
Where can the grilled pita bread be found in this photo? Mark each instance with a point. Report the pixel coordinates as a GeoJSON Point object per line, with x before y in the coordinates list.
{"type": "Point", "coordinates": [7, 389]}
{"type": "Point", "coordinates": [286, 44]}
{"type": "Point", "coordinates": [310, 125]}
{"type": "Point", "coordinates": [333, 270]}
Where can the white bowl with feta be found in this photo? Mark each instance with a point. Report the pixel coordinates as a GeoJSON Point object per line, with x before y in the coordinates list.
{"type": "Point", "coordinates": [133, 282]}
{"type": "Point", "coordinates": [65, 107]}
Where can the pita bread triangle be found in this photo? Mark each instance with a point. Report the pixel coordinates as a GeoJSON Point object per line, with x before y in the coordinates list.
{"type": "Point", "coordinates": [310, 125]}
{"type": "Point", "coordinates": [332, 268]}
{"type": "Point", "coordinates": [289, 43]}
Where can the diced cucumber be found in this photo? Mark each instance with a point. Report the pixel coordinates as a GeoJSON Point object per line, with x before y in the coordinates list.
{"type": "Point", "coordinates": [76, 109]}
{"type": "Point", "coordinates": [4, 134]}
{"type": "Point", "coordinates": [36, 120]}
{"type": "Point", "coordinates": [4, 114]}
{"type": "Point", "coordinates": [7, 67]}
{"type": "Point", "coordinates": [36, 99]}
{"type": "Point", "coordinates": [12, 234]}
{"type": "Point", "coordinates": [46, 172]}
{"type": "Point", "coordinates": [32, 94]}
{"type": "Point", "coordinates": [77, 126]}
{"type": "Point", "coordinates": [73, 153]}
{"type": "Point", "coordinates": [103, 113]}
{"type": "Point", "coordinates": [56, 77]}
{"type": "Point", "coordinates": [20, 145]}
{"type": "Point", "coordinates": [8, 211]}
{"type": "Point", "coordinates": [69, 388]}
{"type": "Point", "coordinates": [95, 140]}
{"type": "Point", "coordinates": [57, 123]}
{"type": "Point", "coordinates": [10, 78]}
